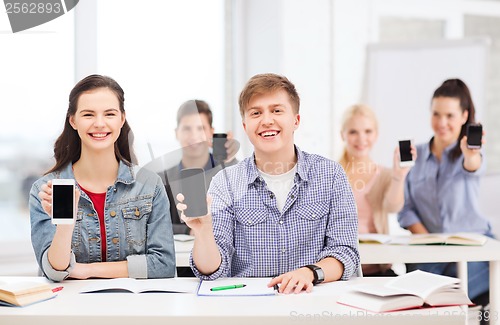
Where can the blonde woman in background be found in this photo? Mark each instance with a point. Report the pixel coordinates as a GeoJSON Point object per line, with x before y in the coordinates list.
{"type": "Point", "coordinates": [377, 190]}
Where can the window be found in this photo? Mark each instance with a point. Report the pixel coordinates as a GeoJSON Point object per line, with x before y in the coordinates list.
{"type": "Point", "coordinates": [37, 73]}
{"type": "Point", "coordinates": [162, 53]}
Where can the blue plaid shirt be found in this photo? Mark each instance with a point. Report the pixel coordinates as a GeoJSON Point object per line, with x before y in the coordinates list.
{"type": "Point", "coordinates": [255, 239]}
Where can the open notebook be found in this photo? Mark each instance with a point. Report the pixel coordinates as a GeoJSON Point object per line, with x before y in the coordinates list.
{"type": "Point", "coordinates": [236, 287]}
{"type": "Point", "coordinates": [173, 285]}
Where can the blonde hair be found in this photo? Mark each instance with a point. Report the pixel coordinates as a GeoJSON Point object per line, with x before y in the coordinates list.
{"type": "Point", "coordinates": [355, 110]}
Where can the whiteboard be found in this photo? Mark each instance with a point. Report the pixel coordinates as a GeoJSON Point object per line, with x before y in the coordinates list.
{"type": "Point", "coordinates": [401, 78]}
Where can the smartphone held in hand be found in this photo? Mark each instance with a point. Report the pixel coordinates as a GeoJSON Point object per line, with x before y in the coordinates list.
{"type": "Point", "coordinates": [219, 146]}
{"type": "Point", "coordinates": [63, 201]}
{"type": "Point", "coordinates": [194, 190]}
{"type": "Point", "coordinates": [474, 136]}
{"type": "Point", "coordinates": [406, 158]}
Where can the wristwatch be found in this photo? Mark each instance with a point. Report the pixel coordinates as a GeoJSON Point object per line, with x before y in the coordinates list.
{"type": "Point", "coordinates": [319, 275]}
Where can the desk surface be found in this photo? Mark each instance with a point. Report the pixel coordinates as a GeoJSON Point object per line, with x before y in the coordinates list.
{"type": "Point", "coordinates": [380, 254]}
{"type": "Point", "coordinates": [320, 306]}
{"type": "Point", "coordinates": [490, 251]}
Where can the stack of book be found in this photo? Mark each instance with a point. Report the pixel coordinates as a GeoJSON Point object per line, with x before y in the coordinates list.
{"type": "Point", "coordinates": [24, 293]}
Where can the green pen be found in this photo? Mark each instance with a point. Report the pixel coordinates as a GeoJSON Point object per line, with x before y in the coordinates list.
{"type": "Point", "coordinates": [234, 286]}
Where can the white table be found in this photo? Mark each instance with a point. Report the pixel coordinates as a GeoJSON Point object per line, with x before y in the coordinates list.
{"type": "Point", "coordinates": [318, 307]}
{"type": "Point", "coordinates": [381, 254]}
{"type": "Point", "coordinates": [388, 254]}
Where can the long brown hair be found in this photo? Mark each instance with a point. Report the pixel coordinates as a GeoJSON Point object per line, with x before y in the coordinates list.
{"type": "Point", "coordinates": [456, 88]}
{"type": "Point", "coordinates": [68, 145]}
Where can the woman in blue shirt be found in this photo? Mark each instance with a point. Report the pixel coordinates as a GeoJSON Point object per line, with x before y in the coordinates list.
{"type": "Point", "coordinates": [123, 226]}
{"type": "Point", "coordinates": [442, 189]}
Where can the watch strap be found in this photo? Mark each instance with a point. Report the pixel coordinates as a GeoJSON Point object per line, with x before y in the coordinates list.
{"type": "Point", "coordinates": [314, 269]}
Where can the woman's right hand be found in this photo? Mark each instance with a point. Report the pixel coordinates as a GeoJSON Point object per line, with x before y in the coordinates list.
{"type": "Point", "coordinates": [398, 171]}
{"type": "Point", "coordinates": [197, 224]}
{"type": "Point", "coordinates": [46, 196]}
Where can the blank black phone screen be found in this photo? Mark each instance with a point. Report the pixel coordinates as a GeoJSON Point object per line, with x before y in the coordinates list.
{"type": "Point", "coordinates": [405, 150]}
{"type": "Point", "coordinates": [474, 135]}
{"type": "Point", "coordinates": [62, 198]}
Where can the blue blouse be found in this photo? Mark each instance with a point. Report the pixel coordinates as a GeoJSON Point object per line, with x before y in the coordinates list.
{"type": "Point", "coordinates": [442, 195]}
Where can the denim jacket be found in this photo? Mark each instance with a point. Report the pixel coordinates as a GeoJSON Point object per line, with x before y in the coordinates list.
{"type": "Point", "coordinates": [137, 219]}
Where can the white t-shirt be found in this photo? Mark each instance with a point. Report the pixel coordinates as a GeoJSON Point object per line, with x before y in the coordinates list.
{"type": "Point", "coordinates": [280, 185]}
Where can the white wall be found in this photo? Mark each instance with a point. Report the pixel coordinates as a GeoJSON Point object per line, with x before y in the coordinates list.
{"type": "Point", "coordinates": [292, 38]}
{"type": "Point", "coordinates": [321, 46]}
{"type": "Point", "coordinates": [403, 77]}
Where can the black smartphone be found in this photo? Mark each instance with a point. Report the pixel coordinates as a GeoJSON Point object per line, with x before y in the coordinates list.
{"type": "Point", "coordinates": [474, 136]}
{"type": "Point", "coordinates": [63, 201]}
{"type": "Point", "coordinates": [219, 146]}
{"type": "Point", "coordinates": [405, 156]}
{"type": "Point", "coordinates": [194, 190]}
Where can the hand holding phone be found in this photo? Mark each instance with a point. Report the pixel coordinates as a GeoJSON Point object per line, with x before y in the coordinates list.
{"type": "Point", "coordinates": [63, 201]}
{"type": "Point", "coordinates": [406, 158]}
{"type": "Point", "coordinates": [219, 146]}
{"type": "Point", "coordinates": [474, 136]}
{"type": "Point", "coordinates": [194, 190]}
